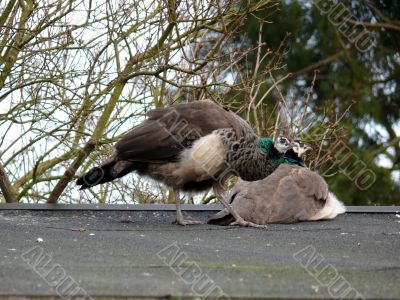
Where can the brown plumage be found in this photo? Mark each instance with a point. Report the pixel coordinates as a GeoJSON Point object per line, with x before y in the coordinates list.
{"type": "Point", "coordinates": [290, 194]}
{"type": "Point", "coordinates": [162, 136]}
{"type": "Point", "coordinates": [156, 146]}
{"type": "Point", "coordinates": [190, 147]}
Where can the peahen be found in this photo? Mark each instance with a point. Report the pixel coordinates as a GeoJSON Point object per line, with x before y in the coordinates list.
{"type": "Point", "coordinates": [290, 194]}
{"type": "Point", "coordinates": [192, 147]}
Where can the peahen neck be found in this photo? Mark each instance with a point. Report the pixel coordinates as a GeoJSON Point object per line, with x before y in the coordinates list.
{"type": "Point", "coordinates": [266, 146]}
{"type": "Point", "coordinates": [292, 158]}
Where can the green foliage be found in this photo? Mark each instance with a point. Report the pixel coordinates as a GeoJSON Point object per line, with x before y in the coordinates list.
{"type": "Point", "coordinates": [346, 75]}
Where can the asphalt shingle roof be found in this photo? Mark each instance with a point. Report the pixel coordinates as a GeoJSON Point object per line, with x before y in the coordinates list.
{"type": "Point", "coordinates": [141, 253]}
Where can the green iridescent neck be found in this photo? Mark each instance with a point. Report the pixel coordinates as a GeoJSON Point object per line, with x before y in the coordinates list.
{"type": "Point", "coordinates": [266, 144]}
{"type": "Point", "coordinates": [292, 158]}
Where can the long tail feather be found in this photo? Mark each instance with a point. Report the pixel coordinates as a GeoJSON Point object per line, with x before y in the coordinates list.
{"type": "Point", "coordinates": [105, 173]}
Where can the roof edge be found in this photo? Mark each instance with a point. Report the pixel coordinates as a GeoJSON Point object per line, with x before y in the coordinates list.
{"type": "Point", "coordinates": [165, 207]}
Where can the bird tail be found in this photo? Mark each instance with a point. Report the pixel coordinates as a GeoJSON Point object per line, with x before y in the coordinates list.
{"type": "Point", "coordinates": [337, 206]}
{"type": "Point", "coordinates": [105, 173]}
{"type": "Point", "coordinates": [333, 207]}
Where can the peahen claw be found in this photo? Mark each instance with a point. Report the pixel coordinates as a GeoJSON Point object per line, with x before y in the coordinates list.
{"type": "Point", "coordinates": [185, 222]}
{"type": "Point", "coordinates": [244, 223]}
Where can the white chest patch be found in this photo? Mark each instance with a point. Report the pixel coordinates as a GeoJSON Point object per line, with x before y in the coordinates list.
{"type": "Point", "coordinates": [203, 161]}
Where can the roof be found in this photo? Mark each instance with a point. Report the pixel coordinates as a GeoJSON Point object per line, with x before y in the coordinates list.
{"type": "Point", "coordinates": [140, 253]}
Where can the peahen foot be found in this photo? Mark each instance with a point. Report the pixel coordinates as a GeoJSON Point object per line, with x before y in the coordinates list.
{"type": "Point", "coordinates": [241, 222]}
{"type": "Point", "coordinates": [219, 192]}
{"type": "Point", "coordinates": [185, 222]}
{"type": "Point", "coordinates": [179, 216]}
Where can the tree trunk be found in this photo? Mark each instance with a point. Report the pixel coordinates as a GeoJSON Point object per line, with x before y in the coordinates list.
{"type": "Point", "coordinates": [6, 187]}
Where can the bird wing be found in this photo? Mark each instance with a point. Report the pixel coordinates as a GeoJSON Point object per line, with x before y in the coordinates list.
{"type": "Point", "coordinates": [288, 195]}
{"type": "Point", "coordinates": [167, 131]}
{"type": "Point", "coordinates": [301, 193]}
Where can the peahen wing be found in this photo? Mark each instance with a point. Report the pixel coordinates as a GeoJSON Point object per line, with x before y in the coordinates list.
{"type": "Point", "coordinates": [167, 131]}
{"type": "Point", "coordinates": [288, 195]}
{"type": "Point", "coordinates": [300, 194]}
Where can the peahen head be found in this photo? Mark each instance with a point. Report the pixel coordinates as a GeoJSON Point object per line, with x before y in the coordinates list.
{"type": "Point", "coordinates": [281, 145]}
{"type": "Point", "coordinates": [299, 147]}
{"type": "Point", "coordinates": [294, 155]}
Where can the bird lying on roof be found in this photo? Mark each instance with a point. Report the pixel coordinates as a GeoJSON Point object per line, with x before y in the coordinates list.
{"type": "Point", "coordinates": [192, 147]}
{"type": "Point", "coordinates": [292, 193]}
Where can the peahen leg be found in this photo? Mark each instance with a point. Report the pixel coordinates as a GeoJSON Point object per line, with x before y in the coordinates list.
{"type": "Point", "coordinates": [179, 216]}
{"type": "Point", "coordinates": [220, 193]}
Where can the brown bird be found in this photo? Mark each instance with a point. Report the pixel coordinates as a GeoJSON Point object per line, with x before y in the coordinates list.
{"type": "Point", "coordinates": [192, 147]}
{"type": "Point", "coordinates": [290, 194]}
